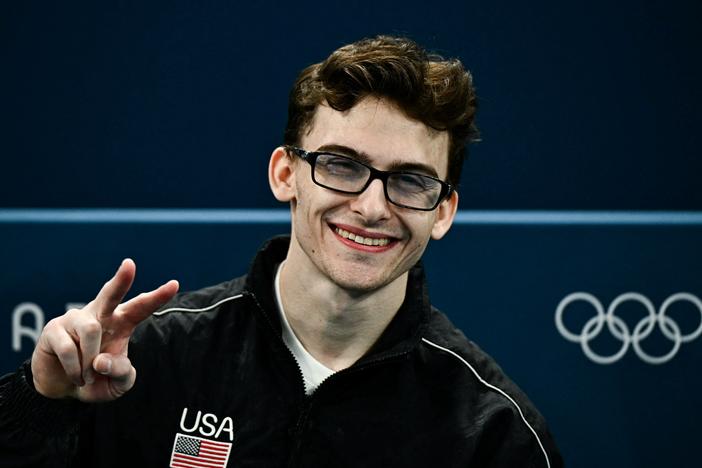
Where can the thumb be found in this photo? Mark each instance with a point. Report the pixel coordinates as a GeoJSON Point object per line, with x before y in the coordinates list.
{"type": "Point", "coordinates": [119, 371]}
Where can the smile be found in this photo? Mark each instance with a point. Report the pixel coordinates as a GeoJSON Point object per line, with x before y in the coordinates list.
{"type": "Point", "coordinates": [377, 241]}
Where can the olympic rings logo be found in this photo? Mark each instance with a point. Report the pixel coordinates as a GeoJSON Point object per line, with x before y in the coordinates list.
{"type": "Point", "coordinates": [619, 329]}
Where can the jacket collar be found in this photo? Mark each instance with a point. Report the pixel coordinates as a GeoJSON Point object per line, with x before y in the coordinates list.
{"type": "Point", "coordinates": [403, 332]}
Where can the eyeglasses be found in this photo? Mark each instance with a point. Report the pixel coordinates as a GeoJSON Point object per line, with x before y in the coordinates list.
{"type": "Point", "coordinates": [346, 175]}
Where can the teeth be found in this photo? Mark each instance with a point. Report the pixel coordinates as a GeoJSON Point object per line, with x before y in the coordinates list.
{"type": "Point", "coordinates": [362, 240]}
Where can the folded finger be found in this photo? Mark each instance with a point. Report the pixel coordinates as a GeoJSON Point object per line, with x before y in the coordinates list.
{"type": "Point", "coordinates": [89, 333]}
{"type": "Point", "coordinates": [64, 347]}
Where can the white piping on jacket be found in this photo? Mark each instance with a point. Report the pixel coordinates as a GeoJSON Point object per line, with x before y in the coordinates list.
{"type": "Point", "coordinates": [183, 309]}
{"type": "Point", "coordinates": [498, 390]}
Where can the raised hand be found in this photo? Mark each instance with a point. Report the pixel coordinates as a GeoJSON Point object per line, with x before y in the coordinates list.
{"type": "Point", "coordinates": [83, 353]}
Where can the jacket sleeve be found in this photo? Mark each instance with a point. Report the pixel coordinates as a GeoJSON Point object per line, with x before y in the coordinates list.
{"type": "Point", "coordinates": [35, 430]}
{"type": "Point", "coordinates": [507, 442]}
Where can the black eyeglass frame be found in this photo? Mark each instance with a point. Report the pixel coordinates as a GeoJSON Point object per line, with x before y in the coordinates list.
{"type": "Point", "coordinates": [311, 158]}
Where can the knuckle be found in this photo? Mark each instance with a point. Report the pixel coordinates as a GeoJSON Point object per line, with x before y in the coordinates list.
{"type": "Point", "coordinates": [73, 312]}
{"type": "Point", "coordinates": [52, 324]}
{"type": "Point", "coordinates": [72, 316]}
{"type": "Point", "coordinates": [91, 328]}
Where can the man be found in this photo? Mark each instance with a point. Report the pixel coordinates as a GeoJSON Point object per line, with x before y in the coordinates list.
{"type": "Point", "coordinates": [328, 353]}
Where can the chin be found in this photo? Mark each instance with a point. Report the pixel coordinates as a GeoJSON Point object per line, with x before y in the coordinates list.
{"type": "Point", "coordinates": [358, 288]}
{"type": "Point", "coordinates": [359, 281]}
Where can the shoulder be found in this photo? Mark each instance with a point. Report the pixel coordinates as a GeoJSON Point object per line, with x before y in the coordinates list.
{"type": "Point", "coordinates": [191, 311]}
{"type": "Point", "coordinates": [506, 414]}
{"type": "Point", "coordinates": [209, 299]}
{"type": "Point", "coordinates": [445, 342]}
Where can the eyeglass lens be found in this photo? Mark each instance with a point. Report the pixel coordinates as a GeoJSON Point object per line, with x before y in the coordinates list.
{"type": "Point", "coordinates": [344, 174]}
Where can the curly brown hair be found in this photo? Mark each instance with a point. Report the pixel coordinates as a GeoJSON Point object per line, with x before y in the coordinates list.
{"type": "Point", "coordinates": [428, 88]}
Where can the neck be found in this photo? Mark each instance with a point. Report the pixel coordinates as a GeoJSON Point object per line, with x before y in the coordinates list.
{"type": "Point", "coordinates": [335, 325]}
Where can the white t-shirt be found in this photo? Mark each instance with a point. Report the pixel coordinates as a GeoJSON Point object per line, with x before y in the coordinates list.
{"type": "Point", "coordinates": [313, 371]}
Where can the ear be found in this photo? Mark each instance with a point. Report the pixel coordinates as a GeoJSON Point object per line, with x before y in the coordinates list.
{"type": "Point", "coordinates": [281, 175]}
{"type": "Point", "coordinates": [445, 213]}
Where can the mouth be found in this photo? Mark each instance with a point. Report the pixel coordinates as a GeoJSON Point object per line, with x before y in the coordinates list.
{"type": "Point", "coordinates": [363, 240]}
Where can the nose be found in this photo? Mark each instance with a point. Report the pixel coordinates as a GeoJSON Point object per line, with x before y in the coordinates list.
{"type": "Point", "coordinates": [371, 203]}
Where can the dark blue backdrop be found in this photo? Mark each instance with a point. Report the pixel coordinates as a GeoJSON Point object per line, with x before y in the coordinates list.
{"type": "Point", "coordinates": [583, 106]}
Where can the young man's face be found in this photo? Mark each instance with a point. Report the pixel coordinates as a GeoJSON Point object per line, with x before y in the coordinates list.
{"type": "Point", "coordinates": [379, 134]}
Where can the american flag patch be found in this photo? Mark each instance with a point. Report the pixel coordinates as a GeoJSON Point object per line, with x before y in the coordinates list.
{"type": "Point", "coordinates": [194, 452]}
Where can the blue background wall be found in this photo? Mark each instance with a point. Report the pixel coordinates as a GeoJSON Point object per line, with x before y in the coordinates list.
{"type": "Point", "coordinates": [585, 107]}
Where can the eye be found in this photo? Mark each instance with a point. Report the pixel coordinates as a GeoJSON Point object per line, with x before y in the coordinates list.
{"type": "Point", "coordinates": [336, 165]}
{"type": "Point", "coordinates": [412, 183]}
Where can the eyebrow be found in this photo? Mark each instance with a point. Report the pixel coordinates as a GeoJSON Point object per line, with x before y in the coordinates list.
{"type": "Point", "coordinates": [396, 165]}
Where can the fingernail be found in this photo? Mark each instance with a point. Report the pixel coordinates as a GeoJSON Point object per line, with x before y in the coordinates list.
{"type": "Point", "coordinates": [89, 378]}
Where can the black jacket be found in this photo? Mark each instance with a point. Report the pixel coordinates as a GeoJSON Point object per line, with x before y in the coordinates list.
{"type": "Point", "coordinates": [214, 375]}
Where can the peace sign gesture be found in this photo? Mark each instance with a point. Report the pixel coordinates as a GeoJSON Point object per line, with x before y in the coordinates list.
{"type": "Point", "coordinates": [83, 353]}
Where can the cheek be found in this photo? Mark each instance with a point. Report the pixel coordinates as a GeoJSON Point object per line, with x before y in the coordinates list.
{"type": "Point", "coordinates": [420, 225]}
{"type": "Point", "coordinates": [310, 206]}
{"type": "Point", "coordinates": [303, 195]}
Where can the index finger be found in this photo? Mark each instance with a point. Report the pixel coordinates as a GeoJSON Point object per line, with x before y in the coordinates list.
{"type": "Point", "coordinates": [115, 289]}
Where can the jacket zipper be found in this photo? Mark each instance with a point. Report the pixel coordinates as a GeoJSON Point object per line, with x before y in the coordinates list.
{"type": "Point", "coordinates": [279, 341]}
{"type": "Point", "coordinates": [310, 399]}
{"type": "Point", "coordinates": [307, 401]}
